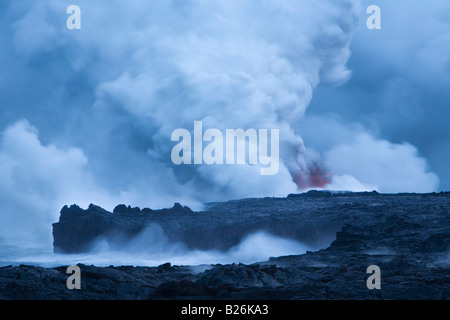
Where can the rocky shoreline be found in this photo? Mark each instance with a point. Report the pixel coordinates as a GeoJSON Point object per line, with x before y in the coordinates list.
{"type": "Point", "coordinates": [406, 235]}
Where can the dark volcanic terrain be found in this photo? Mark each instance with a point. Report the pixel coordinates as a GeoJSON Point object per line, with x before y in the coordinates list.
{"type": "Point", "coordinates": [406, 235]}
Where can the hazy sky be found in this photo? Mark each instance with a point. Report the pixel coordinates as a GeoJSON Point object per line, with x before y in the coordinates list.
{"type": "Point", "coordinates": [399, 94]}
{"type": "Point", "coordinates": [86, 115]}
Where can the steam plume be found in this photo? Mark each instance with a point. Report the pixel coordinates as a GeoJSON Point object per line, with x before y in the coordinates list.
{"type": "Point", "coordinates": [105, 99]}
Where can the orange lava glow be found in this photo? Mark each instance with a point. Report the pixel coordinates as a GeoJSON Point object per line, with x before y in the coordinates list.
{"type": "Point", "coordinates": [315, 176]}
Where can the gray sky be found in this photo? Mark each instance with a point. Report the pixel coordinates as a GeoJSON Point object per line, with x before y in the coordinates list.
{"type": "Point", "coordinates": [399, 91]}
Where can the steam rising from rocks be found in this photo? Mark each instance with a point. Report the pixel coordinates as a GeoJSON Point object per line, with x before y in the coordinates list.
{"type": "Point", "coordinates": [87, 114]}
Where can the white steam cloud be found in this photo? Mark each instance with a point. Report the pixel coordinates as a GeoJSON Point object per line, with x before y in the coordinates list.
{"type": "Point", "coordinates": [360, 161]}
{"type": "Point", "coordinates": [92, 111]}
{"type": "Point", "coordinates": [388, 167]}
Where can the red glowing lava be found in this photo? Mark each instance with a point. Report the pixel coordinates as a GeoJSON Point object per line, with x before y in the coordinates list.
{"type": "Point", "coordinates": [314, 176]}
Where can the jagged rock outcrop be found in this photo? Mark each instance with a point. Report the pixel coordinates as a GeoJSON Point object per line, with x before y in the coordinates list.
{"type": "Point", "coordinates": [312, 218]}
{"type": "Point", "coordinates": [77, 228]}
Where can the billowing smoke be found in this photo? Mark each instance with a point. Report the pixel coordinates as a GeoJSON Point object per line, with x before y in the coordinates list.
{"type": "Point", "coordinates": [87, 115]}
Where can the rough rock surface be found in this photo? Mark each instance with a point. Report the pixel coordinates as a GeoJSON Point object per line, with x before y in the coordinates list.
{"type": "Point", "coordinates": [312, 218]}
{"type": "Point", "coordinates": [406, 235]}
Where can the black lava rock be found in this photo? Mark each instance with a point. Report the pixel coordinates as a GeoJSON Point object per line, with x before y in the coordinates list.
{"type": "Point", "coordinates": [406, 235]}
